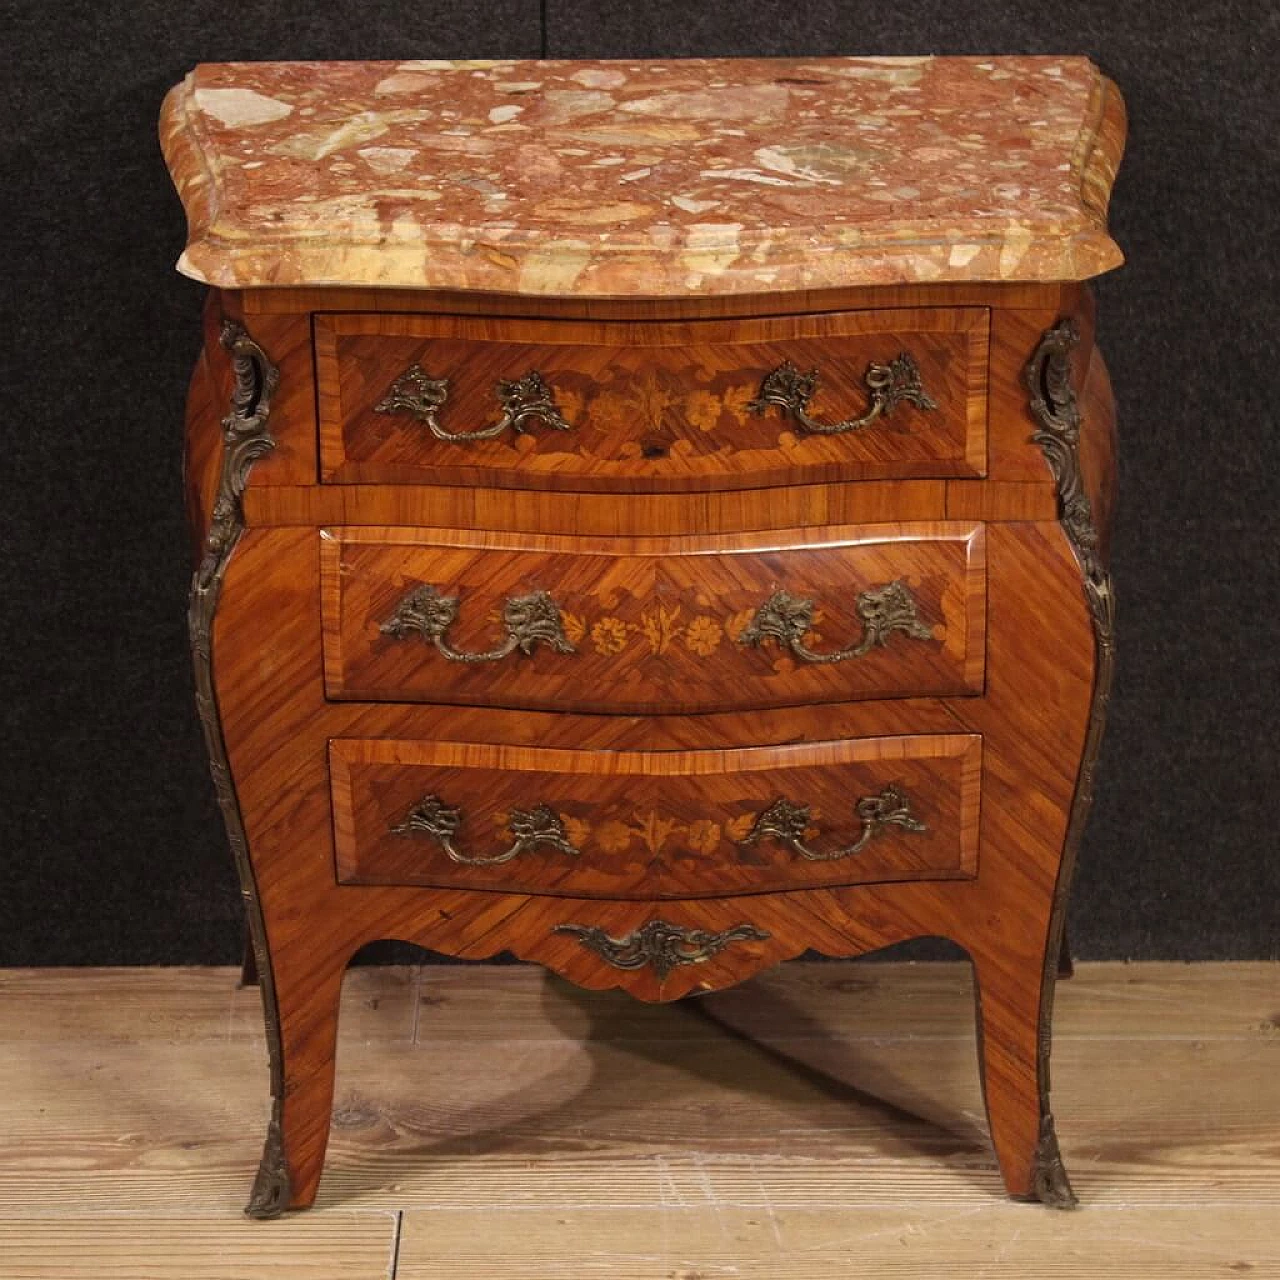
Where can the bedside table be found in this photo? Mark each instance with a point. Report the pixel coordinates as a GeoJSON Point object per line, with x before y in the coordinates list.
{"type": "Point", "coordinates": [653, 521]}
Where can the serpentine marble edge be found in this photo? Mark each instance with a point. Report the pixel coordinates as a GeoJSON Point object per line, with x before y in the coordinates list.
{"type": "Point", "coordinates": [657, 179]}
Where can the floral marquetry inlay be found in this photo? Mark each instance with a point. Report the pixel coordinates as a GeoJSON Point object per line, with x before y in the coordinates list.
{"type": "Point", "coordinates": [657, 833]}
{"type": "Point", "coordinates": [787, 621]}
{"type": "Point", "coordinates": [657, 628]}
{"type": "Point", "coordinates": [657, 400]}
{"type": "Point", "coordinates": [783, 619]}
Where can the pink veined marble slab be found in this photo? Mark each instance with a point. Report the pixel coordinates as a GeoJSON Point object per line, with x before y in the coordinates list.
{"type": "Point", "coordinates": [658, 179]}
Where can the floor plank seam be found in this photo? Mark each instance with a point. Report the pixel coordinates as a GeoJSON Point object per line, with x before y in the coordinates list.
{"type": "Point", "coordinates": [524, 1130]}
{"type": "Point", "coordinates": [394, 1264]}
{"type": "Point", "coordinates": [177, 1213]}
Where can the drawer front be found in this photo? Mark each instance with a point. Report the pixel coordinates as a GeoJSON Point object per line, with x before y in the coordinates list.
{"type": "Point", "coordinates": [650, 825]}
{"type": "Point", "coordinates": [653, 624]}
{"type": "Point", "coordinates": [633, 407]}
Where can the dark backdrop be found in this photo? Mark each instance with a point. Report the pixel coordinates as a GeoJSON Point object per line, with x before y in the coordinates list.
{"type": "Point", "coordinates": [113, 850]}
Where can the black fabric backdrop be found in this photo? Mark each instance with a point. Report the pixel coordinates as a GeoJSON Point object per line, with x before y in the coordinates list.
{"type": "Point", "coordinates": [113, 850]}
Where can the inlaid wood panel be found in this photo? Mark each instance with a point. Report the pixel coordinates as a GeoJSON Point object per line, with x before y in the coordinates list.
{"type": "Point", "coordinates": [286, 339]}
{"type": "Point", "coordinates": [651, 406]}
{"type": "Point", "coordinates": [1026, 650]}
{"type": "Point", "coordinates": [674, 624]}
{"type": "Point", "coordinates": [724, 511]}
{"type": "Point", "coordinates": [656, 639]}
{"type": "Point", "coordinates": [282, 489]}
{"type": "Point", "coordinates": [1032, 722]}
{"type": "Point", "coordinates": [653, 825]}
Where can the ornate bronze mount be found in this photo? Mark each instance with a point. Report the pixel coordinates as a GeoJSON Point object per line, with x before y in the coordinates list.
{"type": "Point", "coordinates": [528, 829]}
{"type": "Point", "coordinates": [889, 384]}
{"type": "Point", "coordinates": [522, 401]}
{"type": "Point", "coordinates": [788, 823]}
{"type": "Point", "coordinates": [1051, 391]}
{"type": "Point", "coordinates": [246, 437]}
{"type": "Point", "coordinates": [882, 611]}
{"type": "Point", "coordinates": [658, 943]}
{"type": "Point", "coordinates": [270, 1195]}
{"type": "Point", "coordinates": [528, 620]}
{"type": "Point", "coordinates": [1050, 1183]}
{"type": "Point", "coordinates": [1057, 414]}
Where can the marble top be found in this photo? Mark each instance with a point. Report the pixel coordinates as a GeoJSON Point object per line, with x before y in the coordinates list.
{"type": "Point", "coordinates": [657, 179]}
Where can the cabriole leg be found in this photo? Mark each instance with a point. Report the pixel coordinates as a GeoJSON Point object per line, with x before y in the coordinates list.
{"type": "Point", "coordinates": [1015, 1081]}
{"type": "Point", "coordinates": [298, 1133]}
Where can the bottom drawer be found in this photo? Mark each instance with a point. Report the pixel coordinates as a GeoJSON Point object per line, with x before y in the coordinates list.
{"type": "Point", "coordinates": [661, 824]}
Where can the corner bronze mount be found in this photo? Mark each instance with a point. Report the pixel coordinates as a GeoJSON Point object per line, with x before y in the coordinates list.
{"type": "Point", "coordinates": [889, 385]}
{"type": "Point", "coordinates": [528, 828]}
{"type": "Point", "coordinates": [1051, 390]}
{"type": "Point", "coordinates": [882, 611]}
{"type": "Point", "coordinates": [271, 1194]}
{"type": "Point", "coordinates": [528, 620]}
{"type": "Point", "coordinates": [245, 438]}
{"type": "Point", "coordinates": [1050, 1185]}
{"type": "Point", "coordinates": [661, 944]}
{"type": "Point", "coordinates": [788, 823]}
{"type": "Point", "coordinates": [521, 400]}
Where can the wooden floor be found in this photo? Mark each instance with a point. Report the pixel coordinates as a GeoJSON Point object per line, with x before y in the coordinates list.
{"type": "Point", "coordinates": [492, 1123]}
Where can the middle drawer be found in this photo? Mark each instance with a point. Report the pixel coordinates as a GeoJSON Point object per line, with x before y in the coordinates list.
{"type": "Point", "coordinates": [654, 625]}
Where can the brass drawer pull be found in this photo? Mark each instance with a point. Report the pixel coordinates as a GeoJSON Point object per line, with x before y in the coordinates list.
{"type": "Point", "coordinates": [882, 611]}
{"type": "Point", "coordinates": [788, 823]}
{"type": "Point", "coordinates": [528, 829]}
{"type": "Point", "coordinates": [523, 401]}
{"type": "Point", "coordinates": [889, 384]}
{"type": "Point", "coordinates": [528, 620]}
{"type": "Point", "coordinates": [658, 943]}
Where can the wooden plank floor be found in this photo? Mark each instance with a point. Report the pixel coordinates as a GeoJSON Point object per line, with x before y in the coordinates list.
{"type": "Point", "coordinates": [822, 1121]}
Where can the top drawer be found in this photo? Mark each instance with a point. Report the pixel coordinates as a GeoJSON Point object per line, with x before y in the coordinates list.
{"type": "Point", "coordinates": [652, 406]}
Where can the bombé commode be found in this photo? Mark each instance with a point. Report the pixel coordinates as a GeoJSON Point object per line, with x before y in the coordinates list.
{"type": "Point", "coordinates": [653, 521]}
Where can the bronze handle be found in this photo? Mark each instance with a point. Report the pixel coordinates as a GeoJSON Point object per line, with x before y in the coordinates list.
{"type": "Point", "coordinates": [788, 822]}
{"type": "Point", "coordinates": [659, 943]}
{"type": "Point", "coordinates": [526, 399]}
{"type": "Point", "coordinates": [528, 620]}
{"type": "Point", "coordinates": [528, 828]}
{"type": "Point", "coordinates": [889, 384]}
{"type": "Point", "coordinates": [882, 611]}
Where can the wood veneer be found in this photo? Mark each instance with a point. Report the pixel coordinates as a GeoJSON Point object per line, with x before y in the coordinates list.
{"type": "Point", "coordinates": [655, 624]}
{"type": "Point", "coordinates": [1032, 721]}
{"type": "Point", "coordinates": [650, 406]}
{"type": "Point", "coordinates": [318, 515]}
{"type": "Point", "coordinates": [659, 824]}
{"type": "Point", "coordinates": [282, 486]}
{"type": "Point", "coordinates": [279, 720]}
